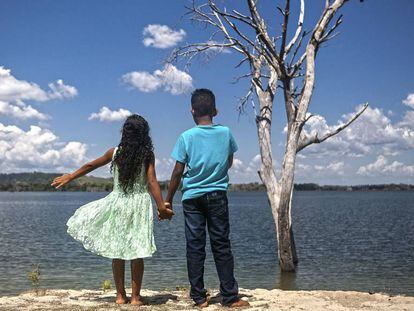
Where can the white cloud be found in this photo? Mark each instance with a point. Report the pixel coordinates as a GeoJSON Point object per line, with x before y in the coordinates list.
{"type": "Point", "coordinates": [237, 164]}
{"type": "Point", "coordinates": [407, 120]}
{"type": "Point", "coordinates": [254, 164]}
{"type": "Point", "coordinates": [164, 168]}
{"type": "Point", "coordinates": [37, 149]}
{"type": "Point", "coordinates": [373, 130]}
{"type": "Point", "coordinates": [60, 90]}
{"type": "Point", "coordinates": [382, 167]}
{"type": "Point", "coordinates": [12, 89]}
{"type": "Point", "coordinates": [13, 93]}
{"type": "Point", "coordinates": [245, 172]}
{"type": "Point", "coordinates": [170, 78]}
{"type": "Point", "coordinates": [73, 153]}
{"type": "Point", "coordinates": [335, 168]}
{"type": "Point", "coordinates": [143, 81]}
{"type": "Point", "coordinates": [162, 36]}
{"type": "Point", "coordinates": [21, 111]}
{"type": "Point", "coordinates": [409, 101]}
{"type": "Point", "coordinates": [107, 115]}
{"type": "Point", "coordinates": [175, 81]}
{"type": "Point", "coordinates": [372, 134]}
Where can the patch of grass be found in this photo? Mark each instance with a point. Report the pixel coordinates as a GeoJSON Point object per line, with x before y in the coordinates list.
{"type": "Point", "coordinates": [106, 285]}
{"type": "Point", "coordinates": [34, 277]}
{"type": "Point", "coordinates": [181, 288]}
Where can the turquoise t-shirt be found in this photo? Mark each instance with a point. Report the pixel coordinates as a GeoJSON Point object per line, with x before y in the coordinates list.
{"type": "Point", "coordinates": [205, 150]}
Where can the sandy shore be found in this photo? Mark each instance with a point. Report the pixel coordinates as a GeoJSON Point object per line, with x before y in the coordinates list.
{"type": "Point", "coordinates": [260, 299]}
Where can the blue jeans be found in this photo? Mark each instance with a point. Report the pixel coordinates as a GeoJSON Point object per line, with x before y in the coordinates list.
{"type": "Point", "coordinates": [210, 209]}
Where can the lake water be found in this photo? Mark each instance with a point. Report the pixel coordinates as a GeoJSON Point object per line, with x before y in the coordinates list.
{"type": "Point", "coordinates": [345, 241]}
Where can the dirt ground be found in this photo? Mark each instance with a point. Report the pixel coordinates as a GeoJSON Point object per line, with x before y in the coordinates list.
{"type": "Point", "coordinates": [259, 299]}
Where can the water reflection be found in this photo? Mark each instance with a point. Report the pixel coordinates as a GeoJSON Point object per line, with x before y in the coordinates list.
{"type": "Point", "coordinates": [286, 280]}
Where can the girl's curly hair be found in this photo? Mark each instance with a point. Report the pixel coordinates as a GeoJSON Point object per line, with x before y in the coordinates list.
{"type": "Point", "coordinates": [135, 151]}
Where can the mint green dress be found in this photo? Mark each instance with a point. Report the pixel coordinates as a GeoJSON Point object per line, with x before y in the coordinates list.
{"type": "Point", "coordinates": [119, 225]}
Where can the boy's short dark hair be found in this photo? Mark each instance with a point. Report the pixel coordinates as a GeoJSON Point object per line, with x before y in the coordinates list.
{"type": "Point", "coordinates": [203, 103]}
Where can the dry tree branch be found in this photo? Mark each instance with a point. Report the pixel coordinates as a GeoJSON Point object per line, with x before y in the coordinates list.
{"type": "Point", "coordinates": [323, 36]}
{"type": "Point", "coordinates": [254, 51]}
{"type": "Point", "coordinates": [237, 16]}
{"type": "Point", "coordinates": [247, 75]}
{"type": "Point", "coordinates": [219, 15]}
{"type": "Point", "coordinates": [310, 55]}
{"type": "Point", "coordinates": [244, 99]}
{"type": "Point", "coordinates": [213, 19]}
{"type": "Point", "coordinates": [271, 55]}
{"type": "Point", "coordinates": [225, 16]}
{"type": "Point", "coordinates": [285, 13]}
{"type": "Point", "coordinates": [242, 15]}
{"type": "Point", "coordinates": [316, 140]}
{"type": "Point", "coordinates": [327, 36]}
{"type": "Point", "coordinates": [298, 29]}
{"type": "Point", "coordinates": [241, 62]}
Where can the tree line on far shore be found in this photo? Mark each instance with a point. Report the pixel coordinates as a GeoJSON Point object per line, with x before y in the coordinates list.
{"type": "Point", "coordinates": [37, 181]}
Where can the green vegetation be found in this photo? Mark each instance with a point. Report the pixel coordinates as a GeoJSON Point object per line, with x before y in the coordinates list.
{"type": "Point", "coordinates": [181, 288]}
{"type": "Point", "coordinates": [37, 181]}
{"type": "Point", "coordinates": [106, 285]}
{"type": "Point", "coordinates": [34, 276]}
{"type": "Point", "coordinates": [316, 187]}
{"type": "Point", "coordinates": [41, 182]}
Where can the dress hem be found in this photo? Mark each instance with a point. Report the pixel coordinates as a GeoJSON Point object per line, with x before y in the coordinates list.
{"type": "Point", "coordinates": [110, 256]}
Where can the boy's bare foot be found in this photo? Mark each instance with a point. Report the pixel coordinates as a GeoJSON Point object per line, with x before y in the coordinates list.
{"type": "Point", "coordinates": [239, 304]}
{"type": "Point", "coordinates": [121, 299]}
{"type": "Point", "coordinates": [136, 301]}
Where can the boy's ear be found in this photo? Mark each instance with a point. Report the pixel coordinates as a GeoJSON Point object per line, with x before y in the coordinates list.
{"type": "Point", "coordinates": [192, 112]}
{"type": "Point", "coordinates": [215, 112]}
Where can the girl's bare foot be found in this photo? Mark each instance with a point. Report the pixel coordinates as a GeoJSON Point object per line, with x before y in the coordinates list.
{"type": "Point", "coordinates": [121, 299]}
{"type": "Point", "coordinates": [136, 301]}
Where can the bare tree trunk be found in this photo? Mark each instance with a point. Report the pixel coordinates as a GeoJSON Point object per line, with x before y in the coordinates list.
{"type": "Point", "coordinates": [279, 194]}
{"type": "Point", "coordinates": [287, 250]}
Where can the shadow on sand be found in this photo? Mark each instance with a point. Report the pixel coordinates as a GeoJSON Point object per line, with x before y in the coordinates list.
{"type": "Point", "coordinates": [217, 298]}
{"type": "Point", "coordinates": [158, 299]}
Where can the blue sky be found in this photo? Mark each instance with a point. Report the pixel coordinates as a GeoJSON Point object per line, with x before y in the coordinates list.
{"type": "Point", "coordinates": [92, 45]}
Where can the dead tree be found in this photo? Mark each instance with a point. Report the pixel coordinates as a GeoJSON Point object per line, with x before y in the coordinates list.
{"type": "Point", "coordinates": [274, 63]}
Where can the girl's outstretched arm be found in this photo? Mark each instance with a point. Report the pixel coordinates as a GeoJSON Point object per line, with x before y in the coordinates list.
{"type": "Point", "coordinates": [85, 169]}
{"type": "Point", "coordinates": [155, 190]}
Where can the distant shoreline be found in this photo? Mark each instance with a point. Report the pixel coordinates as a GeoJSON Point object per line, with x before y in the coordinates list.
{"type": "Point", "coordinates": [40, 182]}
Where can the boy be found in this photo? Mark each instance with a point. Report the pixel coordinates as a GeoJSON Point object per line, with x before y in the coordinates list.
{"type": "Point", "coordinates": [207, 151]}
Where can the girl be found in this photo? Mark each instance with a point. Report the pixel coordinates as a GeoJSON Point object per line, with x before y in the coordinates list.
{"type": "Point", "coordinates": [119, 226]}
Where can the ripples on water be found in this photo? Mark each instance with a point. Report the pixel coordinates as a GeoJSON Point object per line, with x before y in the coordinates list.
{"type": "Point", "coordinates": [345, 241]}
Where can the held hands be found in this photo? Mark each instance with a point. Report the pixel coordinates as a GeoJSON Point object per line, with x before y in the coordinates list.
{"type": "Point", "coordinates": [61, 181]}
{"type": "Point", "coordinates": [165, 212]}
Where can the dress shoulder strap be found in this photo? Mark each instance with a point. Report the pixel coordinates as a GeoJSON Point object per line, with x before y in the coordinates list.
{"type": "Point", "coordinates": [113, 155]}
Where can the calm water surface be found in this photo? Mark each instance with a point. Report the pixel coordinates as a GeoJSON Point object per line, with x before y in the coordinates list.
{"type": "Point", "coordinates": [345, 241]}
